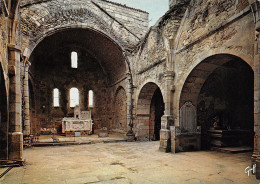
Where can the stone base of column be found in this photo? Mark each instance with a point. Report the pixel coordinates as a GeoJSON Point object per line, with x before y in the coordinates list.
{"type": "Point", "coordinates": [15, 146]}
{"type": "Point", "coordinates": [256, 160]}
{"type": "Point", "coordinates": [258, 169]}
{"type": "Point", "coordinates": [165, 143]}
{"type": "Point", "coordinates": [130, 136]}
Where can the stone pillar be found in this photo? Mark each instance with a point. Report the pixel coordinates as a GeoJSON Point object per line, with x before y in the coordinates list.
{"type": "Point", "coordinates": [255, 7]}
{"type": "Point", "coordinates": [167, 118]}
{"type": "Point", "coordinates": [26, 130]}
{"type": "Point", "coordinates": [129, 93]}
{"type": "Point", "coordinates": [256, 154]}
{"type": "Point", "coordinates": [173, 135]}
{"type": "Point", "coordinates": [15, 142]}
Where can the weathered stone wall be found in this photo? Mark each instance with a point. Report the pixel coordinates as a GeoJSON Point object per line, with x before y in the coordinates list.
{"type": "Point", "coordinates": [42, 18]}
{"type": "Point", "coordinates": [4, 83]}
{"type": "Point", "coordinates": [4, 43]}
{"type": "Point", "coordinates": [149, 62]}
{"type": "Point", "coordinates": [219, 31]}
{"type": "Point", "coordinates": [119, 123]}
{"type": "Point", "coordinates": [133, 19]}
{"type": "Point", "coordinates": [144, 113]}
{"type": "Point", "coordinates": [187, 36]}
{"type": "Point", "coordinates": [210, 28]}
{"type": "Point", "coordinates": [88, 76]}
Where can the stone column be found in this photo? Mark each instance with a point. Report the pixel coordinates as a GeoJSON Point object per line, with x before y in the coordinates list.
{"type": "Point", "coordinates": [15, 142]}
{"type": "Point", "coordinates": [26, 130]}
{"type": "Point", "coordinates": [255, 7]}
{"type": "Point", "coordinates": [256, 154]}
{"type": "Point", "coordinates": [167, 118]}
{"type": "Point", "coordinates": [129, 94]}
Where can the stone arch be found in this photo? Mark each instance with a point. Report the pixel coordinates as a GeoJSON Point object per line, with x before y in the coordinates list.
{"type": "Point", "coordinates": [183, 78]}
{"type": "Point", "coordinates": [119, 123]}
{"type": "Point", "coordinates": [144, 116]}
{"type": "Point", "coordinates": [220, 87]}
{"type": "Point", "coordinates": [112, 64]}
{"type": "Point", "coordinates": [28, 49]}
{"type": "Point", "coordinates": [3, 117]}
{"type": "Point", "coordinates": [83, 15]}
{"type": "Point", "coordinates": [40, 21]}
{"type": "Point", "coordinates": [203, 69]}
{"type": "Point", "coordinates": [47, 20]}
{"type": "Point", "coordinates": [148, 81]}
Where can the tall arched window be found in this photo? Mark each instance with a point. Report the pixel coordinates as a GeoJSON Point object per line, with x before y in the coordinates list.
{"type": "Point", "coordinates": [90, 98]}
{"type": "Point", "coordinates": [74, 59]}
{"type": "Point", "coordinates": [74, 97]}
{"type": "Point", "coordinates": [56, 101]}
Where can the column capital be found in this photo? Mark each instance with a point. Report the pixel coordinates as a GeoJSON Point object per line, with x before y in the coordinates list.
{"type": "Point", "coordinates": [169, 74]}
{"type": "Point", "coordinates": [13, 47]}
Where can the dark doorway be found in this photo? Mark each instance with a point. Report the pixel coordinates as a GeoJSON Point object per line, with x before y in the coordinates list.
{"type": "Point", "coordinates": [157, 111]}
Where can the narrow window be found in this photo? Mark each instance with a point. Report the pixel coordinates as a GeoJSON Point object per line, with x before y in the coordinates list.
{"type": "Point", "coordinates": [74, 97]}
{"type": "Point", "coordinates": [90, 98]}
{"type": "Point", "coordinates": [56, 102]}
{"type": "Point", "coordinates": [74, 59]}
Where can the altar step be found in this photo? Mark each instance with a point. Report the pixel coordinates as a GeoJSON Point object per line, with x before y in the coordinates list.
{"type": "Point", "coordinates": [241, 149]}
{"type": "Point", "coordinates": [68, 143]}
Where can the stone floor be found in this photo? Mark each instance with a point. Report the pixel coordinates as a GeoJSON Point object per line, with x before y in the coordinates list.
{"type": "Point", "coordinates": [94, 138]}
{"type": "Point", "coordinates": [137, 162]}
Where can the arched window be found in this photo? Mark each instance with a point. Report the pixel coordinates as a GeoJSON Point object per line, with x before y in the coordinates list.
{"type": "Point", "coordinates": [74, 59]}
{"type": "Point", "coordinates": [74, 97]}
{"type": "Point", "coordinates": [56, 101]}
{"type": "Point", "coordinates": [90, 98]}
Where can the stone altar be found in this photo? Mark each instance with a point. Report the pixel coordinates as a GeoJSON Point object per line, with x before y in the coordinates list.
{"type": "Point", "coordinates": [81, 122]}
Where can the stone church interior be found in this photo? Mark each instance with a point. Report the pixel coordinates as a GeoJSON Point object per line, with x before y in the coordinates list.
{"type": "Point", "coordinates": [90, 93]}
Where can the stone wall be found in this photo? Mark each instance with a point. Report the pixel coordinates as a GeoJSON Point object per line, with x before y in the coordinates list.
{"type": "Point", "coordinates": [210, 28]}
{"type": "Point", "coordinates": [88, 76]}
{"type": "Point", "coordinates": [4, 83]}
{"type": "Point", "coordinates": [220, 31]}
{"type": "Point", "coordinates": [149, 62]}
{"type": "Point", "coordinates": [42, 18]}
{"type": "Point", "coordinates": [133, 19]}
{"type": "Point", "coordinates": [145, 112]}
{"type": "Point", "coordinates": [119, 123]}
{"type": "Point", "coordinates": [189, 33]}
{"type": "Point", "coordinates": [4, 43]}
